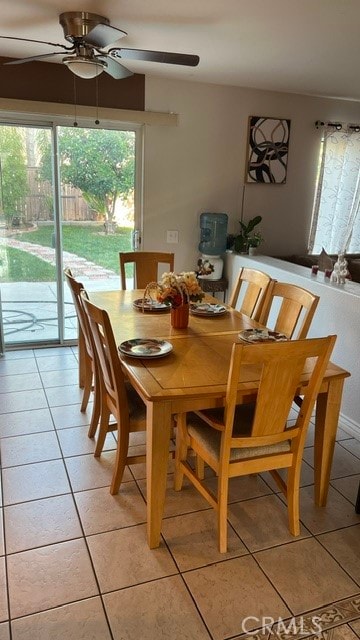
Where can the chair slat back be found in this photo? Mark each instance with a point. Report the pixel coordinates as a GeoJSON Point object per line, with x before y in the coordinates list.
{"type": "Point", "coordinates": [297, 308]}
{"type": "Point", "coordinates": [256, 283]}
{"type": "Point", "coordinates": [146, 264]}
{"type": "Point", "coordinates": [75, 289]}
{"type": "Point", "coordinates": [107, 357]}
{"type": "Point", "coordinates": [281, 368]}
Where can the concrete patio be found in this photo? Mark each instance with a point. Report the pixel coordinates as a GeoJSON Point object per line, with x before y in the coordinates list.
{"type": "Point", "coordinates": [29, 309]}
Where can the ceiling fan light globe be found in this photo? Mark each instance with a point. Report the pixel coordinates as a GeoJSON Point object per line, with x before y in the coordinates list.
{"type": "Point", "coordinates": [85, 68]}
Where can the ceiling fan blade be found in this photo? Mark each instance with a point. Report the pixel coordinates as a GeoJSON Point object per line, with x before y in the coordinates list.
{"type": "Point", "coordinates": [32, 58]}
{"type": "Point", "coordinates": [115, 68]}
{"type": "Point", "coordinates": [156, 56]}
{"type": "Point", "coordinates": [102, 35]}
{"type": "Point", "coordinates": [51, 44]}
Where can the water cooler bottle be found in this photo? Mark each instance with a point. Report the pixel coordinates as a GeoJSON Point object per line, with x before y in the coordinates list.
{"type": "Point", "coordinates": [213, 234]}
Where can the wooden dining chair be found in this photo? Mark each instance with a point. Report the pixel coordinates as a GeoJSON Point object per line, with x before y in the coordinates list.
{"type": "Point", "coordinates": [86, 354]}
{"type": "Point", "coordinates": [146, 264]}
{"type": "Point", "coordinates": [249, 292]}
{"type": "Point", "coordinates": [252, 438]}
{"type": "Point", "coordinates": [295, 309]}
{"type": "Point", "coordinates": [118, 397]}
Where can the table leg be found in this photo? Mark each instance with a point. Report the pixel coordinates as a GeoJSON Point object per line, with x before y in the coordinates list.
{"type": "Point", "coordinates": [326, 423]}
{"type": "Point", "coordinates": [158, 431]}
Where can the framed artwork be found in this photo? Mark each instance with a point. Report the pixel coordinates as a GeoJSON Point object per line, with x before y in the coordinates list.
{"type": "Point", "coordinates": [268, 148]}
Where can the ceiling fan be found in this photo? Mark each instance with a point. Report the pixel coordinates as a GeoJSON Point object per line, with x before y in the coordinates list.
{"type": "Point", "coordinates": [89, 34]}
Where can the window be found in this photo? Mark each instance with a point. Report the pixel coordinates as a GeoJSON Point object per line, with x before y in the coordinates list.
{"type": "Point", "coordinates": [336, 220]}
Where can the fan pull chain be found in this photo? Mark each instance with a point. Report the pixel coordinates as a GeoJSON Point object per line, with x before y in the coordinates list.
{"type": "Point", "coordinates": [75, 121]}
{"type": "Point", "coordinates": [97, 121]}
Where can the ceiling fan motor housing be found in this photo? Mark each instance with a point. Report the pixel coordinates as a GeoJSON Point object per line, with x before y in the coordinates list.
{"type": "Point", "coordinates": [77, 24]}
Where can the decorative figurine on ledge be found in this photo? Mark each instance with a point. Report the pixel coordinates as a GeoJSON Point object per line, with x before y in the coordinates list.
{"type": "Point", "coordinates": [340, 270]}
{"type": "Point", "coordinates": [325, 263]}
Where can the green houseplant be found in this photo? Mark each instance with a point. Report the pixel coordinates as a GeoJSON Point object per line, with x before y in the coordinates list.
{"type": "Point", "coordinates": [247, 237]}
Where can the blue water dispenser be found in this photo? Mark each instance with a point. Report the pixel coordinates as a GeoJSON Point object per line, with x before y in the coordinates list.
{"type": "Point", "coordinates": [213, 235]}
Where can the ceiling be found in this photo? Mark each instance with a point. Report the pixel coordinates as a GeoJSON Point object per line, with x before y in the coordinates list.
{"type": "Point", "coordinates": [298, 46]}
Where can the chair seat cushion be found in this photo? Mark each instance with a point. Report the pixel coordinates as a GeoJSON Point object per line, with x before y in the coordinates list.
{"type": "Point", "coordinates": [210, 438]}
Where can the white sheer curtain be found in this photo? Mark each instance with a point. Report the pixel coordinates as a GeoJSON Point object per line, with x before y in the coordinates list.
{"type": "Point", "coordinates": [336, 219]}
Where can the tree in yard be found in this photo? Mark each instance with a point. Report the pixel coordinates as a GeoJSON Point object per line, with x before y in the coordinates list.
{"type": "Point", "coordinates": [13, 176]}
{"type": "Point", "coordinates": [101, 163]}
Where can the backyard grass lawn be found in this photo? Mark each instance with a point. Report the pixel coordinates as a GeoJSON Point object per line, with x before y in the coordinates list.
{"type": "Point", "coordinates": [19, 266]}
{"type": "Point", "coordinates": [85, 241]}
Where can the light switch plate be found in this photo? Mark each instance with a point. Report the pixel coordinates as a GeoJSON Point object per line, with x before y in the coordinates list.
{"type": "Point", "coordinates": [172, 237]}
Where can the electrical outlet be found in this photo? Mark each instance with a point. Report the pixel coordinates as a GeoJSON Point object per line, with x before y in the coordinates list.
{"type": "Point", "coordinates": [172, 237]}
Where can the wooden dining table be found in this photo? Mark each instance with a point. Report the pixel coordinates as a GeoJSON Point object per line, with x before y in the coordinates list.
{"type": "Point", "coordinates": [194, 376]}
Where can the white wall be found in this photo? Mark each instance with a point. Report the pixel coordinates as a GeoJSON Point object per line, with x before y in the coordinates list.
{"type": "Point", "coordinates": [200, 164]}
{"type": "Point", "coordinates": [338, 312]}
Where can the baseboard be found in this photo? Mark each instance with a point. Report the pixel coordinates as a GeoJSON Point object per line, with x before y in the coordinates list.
{"type": "Point", "coordinates": [351, 427]}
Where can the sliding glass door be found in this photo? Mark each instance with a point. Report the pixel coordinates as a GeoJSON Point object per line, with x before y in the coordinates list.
{"type": "Point", "coordinates": [67, 199]}
{"type": "Point", "coordinates": [27, 259]}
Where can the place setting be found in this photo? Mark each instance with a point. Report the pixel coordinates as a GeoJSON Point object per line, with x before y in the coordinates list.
{"type": "Point", "coordinates": [262, 335]}
{"type": "Point", "coordinates": [207, 309]}
{"type": "Point", "coordinates": [145, 348]}
{"type": "Point", "coordinates": [150, 305]}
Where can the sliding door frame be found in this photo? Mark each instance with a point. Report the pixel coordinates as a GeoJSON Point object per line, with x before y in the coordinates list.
{"type": "Point", "coordinates": [53, 123]}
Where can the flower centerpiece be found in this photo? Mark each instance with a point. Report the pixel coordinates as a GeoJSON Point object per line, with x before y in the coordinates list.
{"type": "Point", "coordinates": [176, 290]}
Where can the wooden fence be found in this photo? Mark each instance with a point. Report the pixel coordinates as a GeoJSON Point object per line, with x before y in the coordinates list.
{"type": "Point", "coordinates": [37, 206]}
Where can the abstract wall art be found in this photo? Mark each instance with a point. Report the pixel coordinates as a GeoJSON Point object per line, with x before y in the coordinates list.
{"type": "Point", "coordinates": [268, 150]}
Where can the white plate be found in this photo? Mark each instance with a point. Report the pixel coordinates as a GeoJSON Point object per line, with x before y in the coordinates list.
{"type": "Point", "coordinates": [262, 335]}
{"type": "Point", "coordinates": [145, 348]}
{"type": "Point", "coordinates": [147, 304]}
{"type": "Point", "coordinates": [207, 309]}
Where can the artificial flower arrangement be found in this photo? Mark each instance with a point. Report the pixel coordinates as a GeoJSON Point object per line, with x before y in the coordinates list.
{"type": "Point", "coordinates": [176, 289]}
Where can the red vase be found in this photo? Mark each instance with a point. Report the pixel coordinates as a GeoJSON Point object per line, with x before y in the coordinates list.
{"type": "Point", "coordinates": [180, 316]}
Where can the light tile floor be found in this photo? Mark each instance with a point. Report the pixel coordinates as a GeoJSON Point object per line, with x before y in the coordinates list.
{"type": "Point", "coordinates": [74, 562]}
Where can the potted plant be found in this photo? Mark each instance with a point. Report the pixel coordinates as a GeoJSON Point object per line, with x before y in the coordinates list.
{"type": "Point", "coordinates": [246, 239]}
{"type": "Point", "coordinates": [254, 241]}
